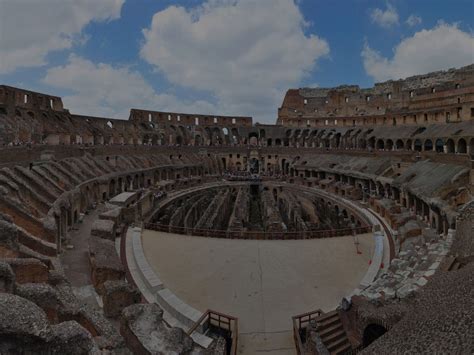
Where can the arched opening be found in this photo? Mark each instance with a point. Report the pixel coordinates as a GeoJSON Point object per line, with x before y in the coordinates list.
{"type": "Point", "coordinates": [439, 146]}
{"type": "Point", "coordinates": [253, 138]}
{"type": "Point", "coordinates": [389, 144]}
{"type": "Point", "coordinates": [371, 333]}
{"type": "Point", "coordinates": [399, 144]}
{"type": "Point", "coordinates": [462, 146]}
{"type": "Point", "coordinates": [428, 146]}
{"type": "Point", "coordinates": [371, 143]}
{"type": "Point", "coordinates": [417, 146]}
{"type": "Point", "coordinates": [380, 144]}
{"type": "Point", "coordinates": [269, 142]}
{"type": "Point", "coordinates": [198, 140]}
{"type": "Point", "coordinates": [450, 146]}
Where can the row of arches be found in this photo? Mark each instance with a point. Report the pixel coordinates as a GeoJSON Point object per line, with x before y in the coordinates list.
{"type": "Point", "coordinates": [439, 145]}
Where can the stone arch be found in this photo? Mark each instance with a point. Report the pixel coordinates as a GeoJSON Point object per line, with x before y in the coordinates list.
{"type": "Point", "coordinates": [372, 332]}
{"type": "Point", "coordinates": [371, 143]}
{"type": "Point", "coordinates": [198, 140]}
{"type": "Point", "coordinates": [439, 145]}
{"type": "Point", "coordinates": [253, 138]}
{"type": "Point", "coordinates": [389, 144]}
{"type": "Point", "coordinates": [461, 146]}
{"type": "Point", "coordinates": [399, 144]}
{"type": "Point", "coordinates": [380, 144]}
{"type": "Point", "coordinates": [428, 145]}
{"type": "Point", "coordinates": [417, 146]}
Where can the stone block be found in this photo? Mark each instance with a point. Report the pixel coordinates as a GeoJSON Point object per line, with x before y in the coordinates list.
{"type": "Point", "coordinates": [145, 332]}
{"type": "Point", "coordinates": [103, 228]}
{"type": "Point", "coordinates": [118, 295]}
{"type": "Point", "coordinates": [29, 270]}
{"type": "Point", "coordinates": [105, 264]}
{"type": "Point", "coordinates": [7, 278]}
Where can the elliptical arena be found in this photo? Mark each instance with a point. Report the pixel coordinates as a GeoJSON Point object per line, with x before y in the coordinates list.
{"type": "Point", "coordinates": [345, 227]}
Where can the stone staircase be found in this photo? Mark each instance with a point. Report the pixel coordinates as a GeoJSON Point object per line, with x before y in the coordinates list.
{"type": "Point", "coordinates": [332, 333]}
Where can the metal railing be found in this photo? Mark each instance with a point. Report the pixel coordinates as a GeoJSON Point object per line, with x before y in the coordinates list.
{"type": "Point", "coordinates": [215, 233]}
{"type": "Point", "coordinates": [300, 323]}
{"type": "Point", "coordinates": [222, 324]}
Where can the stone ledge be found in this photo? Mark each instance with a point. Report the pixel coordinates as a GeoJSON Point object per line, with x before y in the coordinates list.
{"type": "Point", "coordinates": [152, 280]}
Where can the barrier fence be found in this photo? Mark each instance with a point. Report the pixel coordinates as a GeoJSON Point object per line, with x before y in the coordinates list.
{"type": "Point", "coordinates": [221, 324]}
{"type": "Point", "coordinates": [214, 233]}
{"type": "Point", "coordinates": [300, 323]}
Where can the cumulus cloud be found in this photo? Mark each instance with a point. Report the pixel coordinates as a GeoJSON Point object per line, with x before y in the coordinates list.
{"type": "Point", "coordinates": [442, 47]}
{"type": "Point", "coordinates": [413, 20]}
{"type": "Point", "coordinates": [29, 30]}
{"type": "Point", "coordinates": [385, 18]}
{"type": "Point", "coordinates": [108, 91]}
{"type": "Point", "coordinates": [244, 52]}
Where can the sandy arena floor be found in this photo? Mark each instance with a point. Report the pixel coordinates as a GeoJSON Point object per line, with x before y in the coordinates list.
{"type": "Point", "coordinates": [263, 283]}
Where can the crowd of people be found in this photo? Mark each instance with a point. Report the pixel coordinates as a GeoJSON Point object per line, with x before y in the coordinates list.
{"type": "Point", "coordinates": [240, 175]}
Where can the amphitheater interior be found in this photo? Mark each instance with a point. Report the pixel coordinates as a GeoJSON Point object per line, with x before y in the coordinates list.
{"type": "Point", "coordinates": [145, 235]}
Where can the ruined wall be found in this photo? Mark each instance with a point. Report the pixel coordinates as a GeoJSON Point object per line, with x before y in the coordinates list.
{"type": "Point", "coordinates": [439, 97]}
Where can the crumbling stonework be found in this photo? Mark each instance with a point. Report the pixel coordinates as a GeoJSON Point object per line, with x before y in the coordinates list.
{"type": "Point", "coordinates": [403, 149]}
{"type": "Point", "coordinates": [118, 295]}
{"type": "Point", "coordinates": [387, 103]}
{"type": "Point", "coordinates": [105, 264]}
{"type": "Point", "coordinates": [103, 228]}
{"type": "Point", "coordinates": [146, 332]}
{"type": "Point", "coordinates": [28, 270]}
{"type": "Point", "coordinates": [7, 278]}
{"type": "Point", "coordinates": [24, 327]}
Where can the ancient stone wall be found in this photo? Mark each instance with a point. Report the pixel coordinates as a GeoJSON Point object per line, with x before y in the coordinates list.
{"type": "Point", "coordinates": [439, 97]}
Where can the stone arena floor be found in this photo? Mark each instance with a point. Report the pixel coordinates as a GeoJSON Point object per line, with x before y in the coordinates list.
{"type": "Point", "coordinates": [263, 283]}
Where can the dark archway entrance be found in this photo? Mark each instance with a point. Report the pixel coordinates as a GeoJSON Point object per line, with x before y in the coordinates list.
{"type": "Point", "coordinates": [371, 333]}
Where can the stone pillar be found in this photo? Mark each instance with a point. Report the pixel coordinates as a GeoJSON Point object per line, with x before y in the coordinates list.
{"type": "Point", "coordinates": [471, 174]}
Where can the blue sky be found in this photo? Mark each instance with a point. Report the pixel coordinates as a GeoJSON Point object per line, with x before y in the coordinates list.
{"type": "Point", "coordinates": [235, 57]}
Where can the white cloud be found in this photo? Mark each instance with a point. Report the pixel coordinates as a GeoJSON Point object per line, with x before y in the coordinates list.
{"type": "Point", "coordinates": [29, 30]}
{"type": "Point", "coordinates": [385, 18]}
{"type": "Point", "coordinates": [244, 52]}
{"type": "Point", "coordinates": [442, 47]}
{"type": "Point", "coordinates": [413, 20]}
{"type": "Point", "coordinates": [104, 90]}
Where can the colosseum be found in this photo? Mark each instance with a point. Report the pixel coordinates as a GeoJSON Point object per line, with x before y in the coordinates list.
{"type": "Point", "coordinates": [346, 227]}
